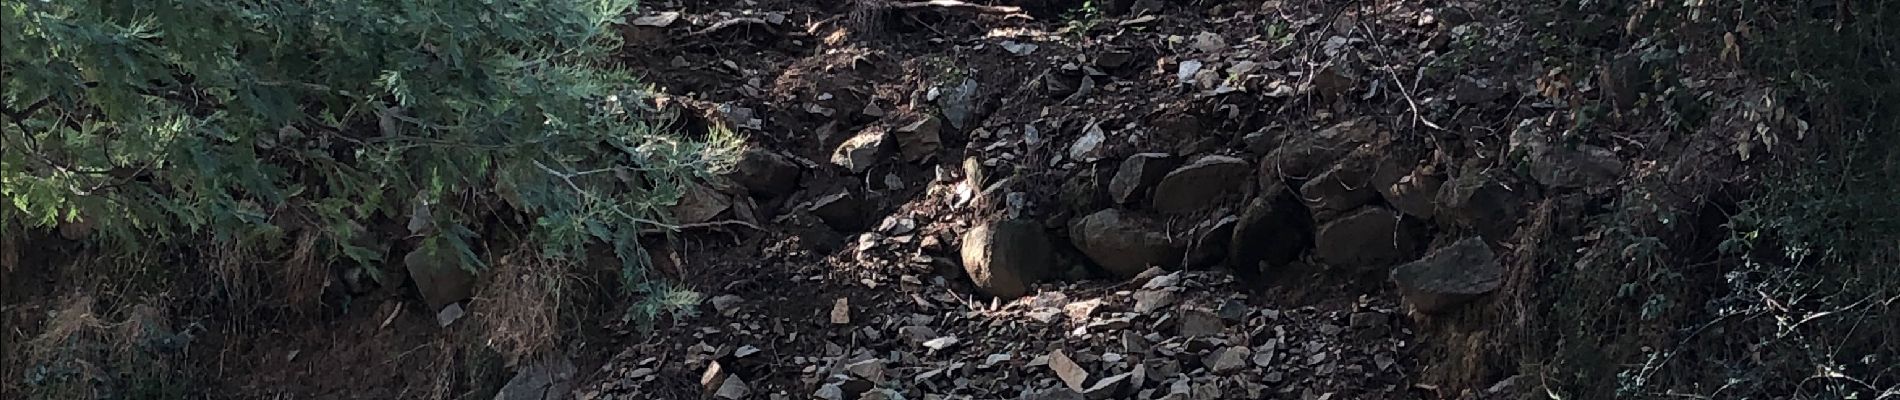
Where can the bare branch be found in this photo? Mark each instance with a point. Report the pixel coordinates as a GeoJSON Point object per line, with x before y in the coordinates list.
{"type": "Point", "coordinates": [1007, 11]}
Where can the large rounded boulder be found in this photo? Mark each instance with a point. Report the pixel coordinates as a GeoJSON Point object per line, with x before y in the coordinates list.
{"type": "Point", "coordinates": [1004, 257]}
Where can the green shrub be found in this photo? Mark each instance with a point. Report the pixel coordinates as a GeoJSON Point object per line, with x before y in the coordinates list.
{"type": "Point", "coordinates": [227, 127]}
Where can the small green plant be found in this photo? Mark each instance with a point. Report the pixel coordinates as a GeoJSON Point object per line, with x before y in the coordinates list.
{"type": "Point", "coordinates": [1468, 47]}
{"type": "Point", "coordinates": [945, 72]}
{"type": "Point", "coordinates": [1082, 19]}
{"type": "Point", "coordinates": [1280, 33]}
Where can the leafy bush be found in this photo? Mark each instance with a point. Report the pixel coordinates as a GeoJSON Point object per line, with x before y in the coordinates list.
{"type": "Point", "coordinates": [1799, 301]}
{"type": "Point", "coordinates": [227, 127]}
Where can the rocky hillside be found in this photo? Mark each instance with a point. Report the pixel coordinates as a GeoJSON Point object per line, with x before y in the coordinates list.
{"type": "Point", "coordinates": [1136, 199]}
{"type": "Point", "coordinates": [1180, 200]}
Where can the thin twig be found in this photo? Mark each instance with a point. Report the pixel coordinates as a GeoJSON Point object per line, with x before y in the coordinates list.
{"type": "Point", "coordinates": [568, 177]}
{"type": "Point", "coordinates": [1396, 81]}
{"type": "Point", "coordinates": [710, 224]}
{"type": "Point", "coordinates": [1006, 11]}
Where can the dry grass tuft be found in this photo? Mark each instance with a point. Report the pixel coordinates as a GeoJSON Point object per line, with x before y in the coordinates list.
{"type": "Point", "coordinates": [521, 304]}
{"type": "Point", "coordinates": [1483, 343]}
{"type": "Point", "coordinates": [72, 323]}
{"type": "Point", "coordinates": [462, 368]}
{"type": "Point", "coordinates": [867, 15]}
{"type": "Point", "coordinates": [236, 275]}
{"type": "Point", "coordinates": [9, 250]}
{"type": "Point", "coordinates": [442, 386]}
{"type": "Point", "coordinates": [304, 274]}
{"type": "Point", "coordinates": [84, 352]}
{"type": "Point", "coordinates": [67, 356]}
{"type": "Point", "coordinates": [247, 280]}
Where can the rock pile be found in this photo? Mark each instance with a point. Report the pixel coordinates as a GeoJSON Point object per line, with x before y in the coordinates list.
{"type": "Point", "coordinates": [1161, 336]}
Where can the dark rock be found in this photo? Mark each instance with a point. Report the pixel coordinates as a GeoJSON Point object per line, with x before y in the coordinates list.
{"type": "Point", "coordinates": [1200, 146]}
{"type": "Point", "coordinates": [1624, 80]}
{"type": "Point", "coordinates": [818, 239]}
{"type": "Point", "coordinates": [1134, 343]}
{"type": "Point", "coordinates": [1210, 242]}
{"type": "Point", "coordinates": [547, 378]}
{"type": "Point", "coordinates": [1451, 16]}
{"type": "Point", "coordinates": [1367, 320]}
{"type": "Point", "coordinates": [1138, 173]}
{"type": "Point", "coordinates": [1113, 59]}
{"type": "Point", "coordinates": [1582, 167]}
{"type": "Point", "coordinates": [1087, 190]}
{"type": "Point", "coordinates": [865, 149]}
{"type": "Point", "coordinates": [855, 387]}
{"type": "Point", "coordinates": [1177, 127]}
{"type": "Point", "coordinates": [1333, 82]}
{"type": "Point", "coordinates": [1477, 201]}
{"type": "Point", "coordinates": [1207, 42]}
{"type": "Point", "coordinates": [916, 335]}
{"type": "Point", "coordinates": [1564, 166]}
{"type": "Point", "coordinates": [733, 388]}
{"type": "Point", "coordinates": [726, 305]}
{"type": "Point", "coordinates": [1196, 322]}
{"type": "Point", "coordinates": [765, 173]}
{"type": "Point", "coordinates": [1343, 187]}
{"type": "Point", "coordinates": [1369, 238]}
{"type": "Point", "coordinates": [1470, 90]}
{"type": "Point", "coordinates": [920, 139]}
{"type": "Point", "coordinates": [1449, 276]}
{"type": "Point", "coordinates": [959, 103]}
{"type": "Point", "coordinates": [843, 211]}
{"type": "Point", "coordinates": [1436, 42]}
{"type": "Point", "coordinates": [1233, 310]}
{"type": "Point", "coordinates": [1003, 257]}
{"type": "Point", "coordinates": [77, 229]}
{"type": "Point", "coordinates": [1141, 7]}
{"type": "Point", "coordinates": [439, 275]}
{"type": "Point", "coordinates": [1199, 184]}
{"type": "Point", "coordinates": [1113, 387]}
{"type": "Point", "coordinates": [1124, 243]}
{"type": "Point", "coordinates": [1302, 155]}
{"type": "Point", "coordinates": [1371, 324]}
{"type": "Point", "coordinates": [357, 280]}
{"type": "Point", "coordinates": [1260, 142]}
{"type": "Point", "coordinates": [872, 369]}
{"type": "Point", "coordinates": [700, 203]}
{"type": "Point", "coordinates": [744, 208]}
{"type": "Point", "coordinates": [1412, 191]}
{"type": "Point", "coordinates": [1274, 229]}
{"type": "Point", "coordinates": [1050, 394]}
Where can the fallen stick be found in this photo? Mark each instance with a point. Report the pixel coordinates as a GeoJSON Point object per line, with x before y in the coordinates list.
{"type": "Point", "coordinates": [962, 6]}
{"type": "Point", "coordinates": [726, 24]}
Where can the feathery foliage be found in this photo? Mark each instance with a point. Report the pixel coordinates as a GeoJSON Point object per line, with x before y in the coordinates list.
{"type": "Point", "coordinates": [226, 124]}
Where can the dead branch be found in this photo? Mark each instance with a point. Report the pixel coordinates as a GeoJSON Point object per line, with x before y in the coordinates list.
{"type": "Point", "coordinates": [1007, 11]}
{"type": "Point", "coordinates": [730, 23]}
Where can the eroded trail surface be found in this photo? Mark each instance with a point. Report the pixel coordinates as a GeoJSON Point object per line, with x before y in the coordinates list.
{"type": "Point", "coordinates": [1123, 199]}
